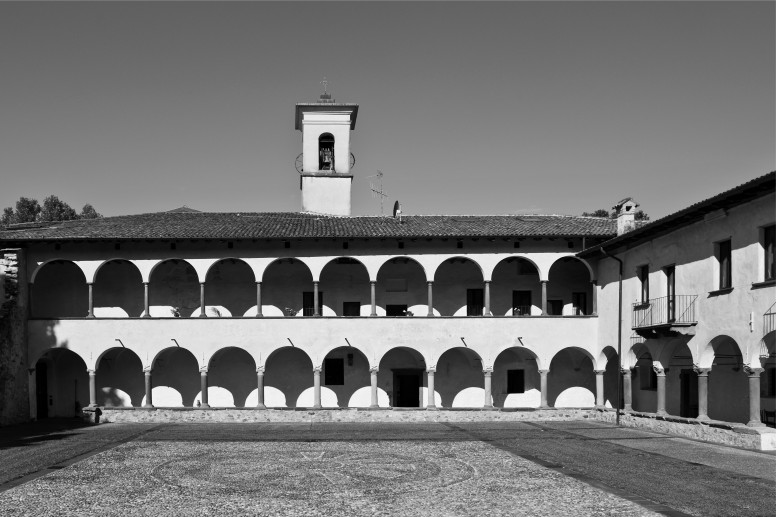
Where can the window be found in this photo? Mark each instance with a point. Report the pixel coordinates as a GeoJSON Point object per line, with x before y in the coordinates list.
{"type": "Point", "coordinates": [724, 252]}
{"type": "Point", "coordinates": [768, 383]}
{"type": "Point", "coordinates": [521, 303]}
{"type": "Point", "coordinates": [555, 307]}
{"type": "Point", "coordinates": [308, 304]}
{"type": "Point", "coordinates": [351, 308]}
{"type": "Point", "coordinates": [670, 272]}
{"type": "Point", "coordinates": [769, 243]}
{"type": "Point", "coordinates": [474, 302]}
{"type": "Point", "coordinates": [579, 304]}
{"type": "Point", "coordinates": [647, 377]}
{"type": "Point", "coordinates": [643, 272]}
{"type": "Point", "coordinates": [334, 371]}
{"type": "Point", "coordinates": [326, 152]}
{"type": "Point", "coordinates": [515, 381]}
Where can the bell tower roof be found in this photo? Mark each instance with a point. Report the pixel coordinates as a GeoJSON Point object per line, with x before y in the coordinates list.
{"type": "Point", "coordinates": [330, 106]}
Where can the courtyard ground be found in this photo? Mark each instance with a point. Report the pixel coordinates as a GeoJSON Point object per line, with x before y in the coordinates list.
{"type": "Point", "coordinates": [439, 469]}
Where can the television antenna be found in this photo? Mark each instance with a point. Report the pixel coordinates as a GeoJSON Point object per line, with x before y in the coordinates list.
{"type": "Point", "coordinates": [377, 190]}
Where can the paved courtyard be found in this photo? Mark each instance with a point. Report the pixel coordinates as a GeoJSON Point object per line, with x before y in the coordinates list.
{"type": "Point", "coordinates": [558, 468]}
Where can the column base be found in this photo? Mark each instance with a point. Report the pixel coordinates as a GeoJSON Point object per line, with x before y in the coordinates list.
{"type": "Point", "coordinates": [702, 418]}
{"type": "Point", "coordinates": [599, 406]}
{"type": "Point", "coordinates": [755, 423]}
{"type": "Point", "coordinates": [661, 413]}
{"type": "Point", "coordinates": [545, 407]}
{"type": "Point", "coordinates": [628, 407]}
{"type": "Point", "coordinates": [317, 407]}
{"type": "Point", "coordinates": [148, 406]}
{"type": "Point", "coordinates": [92, 406]}
{"type": "Point", "coordinates": [261, 406]}
{"type": "Point", "coordinates": [374, 407]}
{"type": "Point", "coordinates": [432, 408]}
{"type": "Point", "coordinates": [206, 406]}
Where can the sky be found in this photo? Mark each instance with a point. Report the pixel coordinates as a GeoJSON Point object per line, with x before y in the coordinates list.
{"type": "Point", "coordinates": [466, 108]}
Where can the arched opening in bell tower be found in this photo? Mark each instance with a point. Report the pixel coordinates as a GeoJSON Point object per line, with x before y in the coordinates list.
{"type": "Point", "coordinates": [326, 152]}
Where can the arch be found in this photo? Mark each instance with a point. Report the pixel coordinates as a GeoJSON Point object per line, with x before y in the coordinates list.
{"type": "Point", "coordinates": [345, 280]}
{"type": "Point", "coordinates": [233, 369]}
{"type": "Point", "coordinates": [401, 375]}
{"type": "Point", "coordinates": [522, 388]}
{"type": "Point", "coordinates": [119, 378]}
{"type": "Point", "coordinates": [34, 274]}
{"type": "Point", "coordinates": [178, 369]}
{"type": "Point", "coordinates": [569, 287]}
{"type": "Point", "coordinates": [284, 281]}
{"type": "Point", "coordinates": [118, 283]}
{"type": "Point", "coordinates": [643, 379]}
{"type": "Point", "coordinates": [722, 344]}
{"type": "Point", "coordinates": [728, 385]}
{"type": "Point", "coordinates": [60, 291]}
{"type": "Point", "coordinates": [458, 369]}
{"type": "Point", "coordinates": [289, 370]}
{"type": "Point", "coordinates": [459, 287]}
{"type": "Point", "coordinates": [681, 380]}
{"type": "Point", "coordinates": [590, 270]}
{"type": "Point", "coordinates": [517, 292]}
{"type": "Point", "coordinates": [61, 383]}
{"type": "Point", "coordinates": [175, 283]}
{"type": "Point", "coordinates": [230, 283]}
{"type": "Point", "coordinates": [326, 152]}
{"type": "Point", "coordinates": [571, 375]}
{"type": "Point", "coordinates": [401, 284]}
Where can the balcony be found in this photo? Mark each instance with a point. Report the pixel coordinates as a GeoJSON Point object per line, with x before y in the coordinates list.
{"type": "Point", "coordinates": [665, 317]}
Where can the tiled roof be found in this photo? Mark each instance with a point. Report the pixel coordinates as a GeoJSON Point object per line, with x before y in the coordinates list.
{"type": "Point", "coordinates": [288, 225]}
{"type": "Point", "coordinates": [758, 187]}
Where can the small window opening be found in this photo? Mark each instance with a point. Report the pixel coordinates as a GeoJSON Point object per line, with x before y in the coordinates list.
{"type": "Point", "coordinates": [117, 246]}
{"type": "Point", "coordinates": [401, 245]}
{"type": "Point", "coordinates": [344, 245]}
{"type": "Point", "coordinates": [326, 152]}
{"type": "Point", "coordinates": [517, 245]}
{"type": "Point", "coordinates": [230, 245]}
{"type": "Point", "coordinates": [459, 244]}
{"type": "Point", "coordinates": [173, 246]}
{"type": "Point", "coordinates": [286, 244]}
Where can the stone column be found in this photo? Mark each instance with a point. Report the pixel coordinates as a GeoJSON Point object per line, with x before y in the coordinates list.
{"type": "Point", "coordinates": [543, 387]}
{"type": "Point", "coordinates": [754, 396]}
{"type": "Point", "coordinates": [703, 392]}
{"type": "Point", "coordinates": [145, 301]}
{"type": "Point", "coordinates": [487, 298]}
{"type": "Point", "coordinates": [259, 311]}
{"type": "Point", "coordinates": [544, 297]}
{"type": "Point", "coordinates": [316, 312]}
{"type": "Point", "coordinates": [203, 311]}
{"type": "Point", "coordinates": [595, 298]}
{"type": "Point", "coordinates": [373, 385]}
{"type": "Point", "coordinates": [627, 389]}
{"type": "Point", "coordinates": [149, 401]}
{"type": "Point", "coordinates": [661, 387]}
{"type": "Point", "coordinates": [488, 373]}
{"type": "Point", "coordinates": [203, 386]}
{"type": "Point", "coordinates": [93, 388]}
{"type": "Point", "coordinates": [599, 388]}
{"type": "Point", "coordinates": [430, 299]}
{"type": "Point", "coordinates": [90, 313]}
{"type": "Point", "coordinates": [431, 405]}
{"type": "Point", "coordinates": [373, 296]}
{"type": "Point", "coordinates": [260, 386]}
{"type": "Point", "coordinates": [317, 386]}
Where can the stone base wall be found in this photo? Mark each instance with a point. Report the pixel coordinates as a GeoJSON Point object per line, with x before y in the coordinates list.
{"type": "Point", "coordinates": [725, 433]}
{"type": "Point", "coordinates": [14, 387]}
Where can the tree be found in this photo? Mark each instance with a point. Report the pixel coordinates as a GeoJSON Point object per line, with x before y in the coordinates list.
{"type": "Point", "coordinates": [54, 209]}
{"type": "Point", "coordinates": [640, 215]}
{"type": "Point", "coordinates": [8, 216]}
{"type": "Point", "coordinates": [88, 212]}
{"type": "Point", "coordinates": [601, 212]}
{"type": "Point", "coordinates": [27, 210]}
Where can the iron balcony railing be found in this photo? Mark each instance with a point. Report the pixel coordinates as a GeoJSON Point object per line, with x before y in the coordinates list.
{"type": "Point", "coordinates": [668, 310]}
{"type": "Point", "coordinates": [769, 320]}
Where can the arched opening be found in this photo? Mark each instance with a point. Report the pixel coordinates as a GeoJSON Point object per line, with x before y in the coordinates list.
{"type": "Point", "coordinates": [288, 285]}
{"type": "Point", "coordinates": [516, 381]}
{"type": "Point", "coordinates": [119, 379]}
{"type": "Point", "coordinates": [459, 378]}
{"type": "Point", "coordinates": [401, 288]}
{"type": "Point", "coordinates": [681, 383]}
{"type": "Point", "coordinates": [346, 372]}
{"type": "Point", "coordinates": [60, 291]}
{"type": "Point", "coordinates": [174, 289]}
{"type": "Point", "coordinates": [402, 376]}
{"type": "Point", "coordinates": [644, 382]}
{"type": "Point", "coordinates": [118, 290]}
{"type": "Point", "coordinates": [515, 288]}
{"type": "Point", "coordinates": [346, 284]}
{"type": "Point", "coordinates": [230, 283]}
{"type": "Point", "coordinates": [61, 384]}
{"type": "Point", "coordinates": [728, 383]}
{"type": "Point", "coordinates": [288, 373]}
{"type": "Point", "coordinates": [571, 381]}
{"type": "Point", "coordinates": [175, 376]}
{"type": "Point", "coordinates": [231, 378]}
{"type": "Point", "coordinates": [326, 152]}
{"type": "Point", "coordinates": [569, 290]}
{"type": "Point", "coordinates": [459, 288]}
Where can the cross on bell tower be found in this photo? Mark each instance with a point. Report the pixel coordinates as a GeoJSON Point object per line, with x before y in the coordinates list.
{"type": "Point", "coordinates": [326, 160]}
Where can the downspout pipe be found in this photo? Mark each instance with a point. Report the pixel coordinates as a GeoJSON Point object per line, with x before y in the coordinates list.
{"type": "Point", "coordinates": [619, 336]}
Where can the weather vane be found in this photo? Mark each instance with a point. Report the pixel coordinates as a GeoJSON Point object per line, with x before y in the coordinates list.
{"type": "Point", "coordinates": [325, 83]}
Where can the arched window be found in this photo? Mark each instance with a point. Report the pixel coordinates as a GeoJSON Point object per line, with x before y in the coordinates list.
{"type": "Point", "coordinates": [326, 152]}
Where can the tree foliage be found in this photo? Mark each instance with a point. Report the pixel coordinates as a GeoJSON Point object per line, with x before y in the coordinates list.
{"type": "Point", "coordinates": [640, 215]}
{"type": "Point", "coordinates": [28, 210]}
{"type": "Point", "coordinates": [597, 213]}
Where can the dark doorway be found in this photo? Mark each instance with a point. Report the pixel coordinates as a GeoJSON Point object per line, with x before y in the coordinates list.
{"type": "Point", "coordinates": [41, 389]}
{"type": "Point", "coordinates": [406, 388]}
{"type": "Point", "coordinates": [351, 308]}
{"type": "Point", "coordinates": [555, 307]}
{"type": "Point", "coordinates": [688, 407]}
{"type": "Point", "coordinates": [521, 303]}
{"type": "Point", "coordinates": [475, 299]}
{"type": "Point", "coordinates": [395, 310]}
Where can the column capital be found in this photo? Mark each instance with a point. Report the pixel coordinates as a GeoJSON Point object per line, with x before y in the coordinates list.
{"type": "Point", "coordinates": [658, 368]}
{"type": "Point", "coordinates": [374, 369]}
{"type": "Point", "coordinates": [147, 370]}
{"type": "Point", "coordinates": [429, 282]}
{"type": "Point", "coordinates": [203, 370]}
{"type": "Point", "coordinates": [626, 370]}
{"type": "Point", "coordinates": [702, 372]}
{"type": "Point", "coordinates": [753, 372]}
{"type": "Point", "coordinates": [431, 369]}
{"type": "Point", "coordinates": [487, 370]}
{"type": "Point", "coordinates": [599, 372]}
{"type": "Point", "coordinates": [260, 369]}
{"type": "Point", "coordinates": [90, 371]}
{"type": "Point", "coordinates": [545, 371]}
{"type": "Point", "coordinates": [258, 282]}
{"type": "Point", "coordinates": [317, 369]}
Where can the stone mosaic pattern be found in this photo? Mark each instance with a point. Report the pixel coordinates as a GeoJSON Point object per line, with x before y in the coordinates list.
{"type": "Point", "coordinates": [341, 478]}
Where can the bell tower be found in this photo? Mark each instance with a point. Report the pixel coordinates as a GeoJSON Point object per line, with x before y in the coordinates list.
{"type": "Point", "coordinates": [326, 161]}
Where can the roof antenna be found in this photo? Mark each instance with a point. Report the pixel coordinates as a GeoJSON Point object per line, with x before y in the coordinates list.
{"type": "Point", "coordinates": [397, 210]}
{"type": "Point", "coordinates": [377, 190]}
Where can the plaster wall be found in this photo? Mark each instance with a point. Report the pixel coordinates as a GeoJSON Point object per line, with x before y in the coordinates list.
{"type": "Point", "coordinates": [314, 124]}
{"type": "Point", "coordinates": [326, 194]}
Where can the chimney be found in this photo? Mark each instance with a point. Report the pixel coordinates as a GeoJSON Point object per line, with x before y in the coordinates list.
{"type": "Point", "coordinates": [626, 215]}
